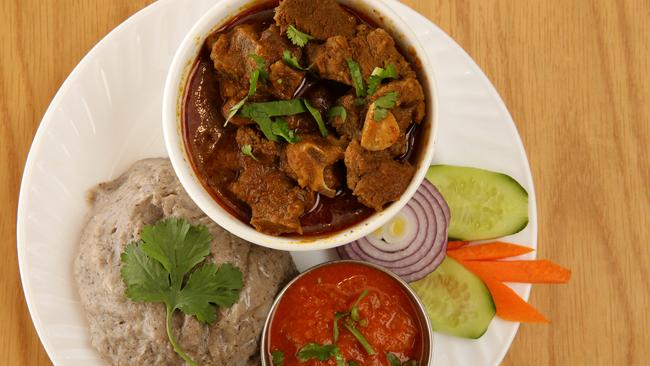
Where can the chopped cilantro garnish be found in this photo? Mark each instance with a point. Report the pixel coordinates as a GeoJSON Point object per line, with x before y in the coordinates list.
{"type": "Point", "coordinates": [292, 61]}
{"type": "Point", "coordinates": [378, 75]}
{"type": "Point", "coordinates": [281, 128]}
{"type": "Point", "coordinates": [352, 363]}
{"type": "Point", "coordinates": [338, 111]}
{"type": "Point", "coordinates": [297, 37]}
{"type": "Point", "coordinates": [252, 89]}
{"type": "Point", "coordinates": [349, 325]}
{"type": "Point", "coordinates": [337, 317]}
{"type": "Point", "coordinates": [248, 151]}
{"type": "Point", "coordinates": [383, 104]}
{"type": "Point", "coordinates": [393, 360]}
{"type": "Point", "coordinates": [357, 77]}
{"type": "Point", "coordinates": [317, 116]}
{"type": "Point", "coordinates": [274, 109]}
{"type": "Point", "coordinates": [157, 269]}
{"type": "Point", "coordinates": [315, 351]}
{"type": "Point", "coordinates": [354, 310]}
{"type": "Point", "coordinates": [261, 66]}
{"type": "Point", "coordinates": [277, 357]}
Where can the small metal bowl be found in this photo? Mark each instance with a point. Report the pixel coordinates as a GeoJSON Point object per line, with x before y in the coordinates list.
{"type": "Point", "coordinates": [422, 317]}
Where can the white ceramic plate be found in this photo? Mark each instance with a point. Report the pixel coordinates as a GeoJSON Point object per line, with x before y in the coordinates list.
{"type": "Point", "coordinates": [107, 115]}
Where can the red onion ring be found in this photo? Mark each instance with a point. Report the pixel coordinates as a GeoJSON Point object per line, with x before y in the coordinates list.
{"type": "Point", "coordinates": [425, 252]}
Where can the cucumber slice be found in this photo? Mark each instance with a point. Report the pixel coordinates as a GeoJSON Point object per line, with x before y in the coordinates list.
{"type": "Point", "coordinates": [484, 205]}
{"type": "Point", "coordinates": [458, 302]}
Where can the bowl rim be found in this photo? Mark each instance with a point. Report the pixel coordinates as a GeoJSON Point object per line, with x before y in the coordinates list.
{"type": "Point", "coordinates": [415, 300]}
{"type": "Point", "coordinates": [173, 96]}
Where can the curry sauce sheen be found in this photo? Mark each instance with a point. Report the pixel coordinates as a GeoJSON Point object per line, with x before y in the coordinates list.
{"type": "Point", "coordinates": [214, 153]}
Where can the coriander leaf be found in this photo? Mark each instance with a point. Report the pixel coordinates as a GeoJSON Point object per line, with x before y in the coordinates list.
{"type": "Point", "coordinates": [352, 363]}
{"type": "Point", "coordinates": [315, 351]}
{"type": "Point", "coordinates": [359, 102]}
{"type": "Point", "coordinates": [255, 76]}
{"type": "Point", "coordinates": [274, 109]}
{"type": "Point", "coordinates": [292, 61]}
{"type": "Point", "coordinates": [261, 66]}
{"type": "Point", "coordinates": [210, 285]}
{"type": "Point", "coordinates": [335, 329]}
{"type": "Point", "coordinates": [266, 126]}
{"type": "Point", "coordinates": [277, 357]}
{"type": "Point", "coordinates": [317, 116]}
{"type": "Point", "coordinates": [357, 77]}
{"type": "Point", "coordinates": [234, 109]}
{"type": "Point", "coordinates": [354, 310]}
{"type": "Point", "coordinates": [154, 270]}
{"type": "Point", "coordinates": [177, 246]}
{"type": "Point", "coordinates": [338, 111]}
{"type": "Point", "coordinates": [360, 338]}
{"type": "Point", "coordinates": [393, 360]}
{"type": "Point", "coordinates": [387, 101]}
{"type": "Point", "coordinates": [383, 104]}
{"type": "Point", "coordinates": [281, 128]}
{"type": "Point", "coordinates": [248, 151]}
{"type": "Point", "coordinates": [297, 37]}
{"type": "Point", "coordinates": [145, 278]}
{"type": "Point", "coordinates": [338, 357]}
{"type": "Point", "coordinates": [378, 75]}
{"type": "Point", "coordinates": [410, 363]}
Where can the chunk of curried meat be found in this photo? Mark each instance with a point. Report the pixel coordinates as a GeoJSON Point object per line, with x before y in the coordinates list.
{"type": "Point", "coordinates": [311, 161]}
{"type": "Point", "coordinates": [285, 80]}
{"type": "Point", "coordinates": [321, 19]}
{"type": "Point", "coordinates": [350, 126]}
{"type": "Point", "coordinates": [370, 48]}
{"type": "Point", "coordinates": [374, 177]}
{"type": "Point", "coordinates": [275, 201]}
{"type": "Point", "coordinates": [231, 55]}
{"type": "Point", "coordinates": [265, 151]}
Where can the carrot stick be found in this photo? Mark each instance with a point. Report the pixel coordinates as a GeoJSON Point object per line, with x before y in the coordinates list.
{"type": "Point", "coordinates": [537, 271]}
{"type": "Point", "coordinates": [456, 244]}
{"type": "Point", "coordinates": [489, 251]}
{"type": "Point", "coordinates": [509, 305]}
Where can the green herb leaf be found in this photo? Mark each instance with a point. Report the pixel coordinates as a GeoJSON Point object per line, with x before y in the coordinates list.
{"type": "Point", "coordinates": [261, 66]}
{"type": "Point", "coordinates": [277, 357]}
{"type": "Point", "coordinates": [266, 126]}
{"type": "Point", "coordinates": [338, 111]}
{"type": "Point", "coordinates": [315, 351]}
{"type": "Point", "coordinates": [155, 267]}
{"type": "Point", "coordinates": [292, 61]}
{"type": "Point", "coordinates": [360, 338]}
{"type": "Point", "coordinates": [383, 104]}
{"type": "Point", "coordinates": [357, 77]}
{"type": "Point", "coordinates": [248, 151]}
{"type": "Point", "coordinates": [338, 357]}
{"type": "Point", "coordinates": [352, 363]}
{"type": "Point", "coordinates": [393, 360]}
{"type": "Point", "coordinates": [210, 285]}
{"type": "Point", "coordinates": [281, 128]}
{"type": "Point", "coordinates": [378, 75]}
{"type": "Point", "coordinates": [410, 363]}
{"type": "Point", "coordinates": [335, 329]}
{"type": "Point", "coordinates": [234, 109]}
{"type": "Point", "coordinates": [354, 310]}
{"type": "Point", "coordinates": [317, 116]}
{"type": "Point", "coordinates": [274, 109]}
{"type": "Point", "coordinates": [297, 37]}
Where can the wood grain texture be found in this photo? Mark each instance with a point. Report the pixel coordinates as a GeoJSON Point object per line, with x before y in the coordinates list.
{"type": "Point", "coordinates": [574, 75]}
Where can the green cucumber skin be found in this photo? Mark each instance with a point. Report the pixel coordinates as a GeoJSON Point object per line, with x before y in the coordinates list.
{"type": "Point", "coordinates": [479, 302]}
{"type": "Point", "coordinates": [513, 203]}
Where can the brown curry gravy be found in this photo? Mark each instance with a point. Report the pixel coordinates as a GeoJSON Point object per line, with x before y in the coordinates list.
{"type": "Point", "coordinates": [213, 150]}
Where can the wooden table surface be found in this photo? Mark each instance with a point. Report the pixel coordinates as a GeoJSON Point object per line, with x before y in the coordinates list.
{"type": "Point", "coordinates": [574, 75]}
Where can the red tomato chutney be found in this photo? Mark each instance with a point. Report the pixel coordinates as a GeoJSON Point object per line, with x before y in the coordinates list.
{"type": "Point", "coordinates": [386, 316]}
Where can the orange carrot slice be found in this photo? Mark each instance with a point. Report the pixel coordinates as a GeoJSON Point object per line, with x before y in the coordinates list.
{"type": "Point", "coordinates": [537, 271]}
{"type": "Point", "coordinates": [456, 244]}
{"type": "Point", "coordinates": [489, 251]}
{"type": "Point", "coordinates": [510, 306]}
